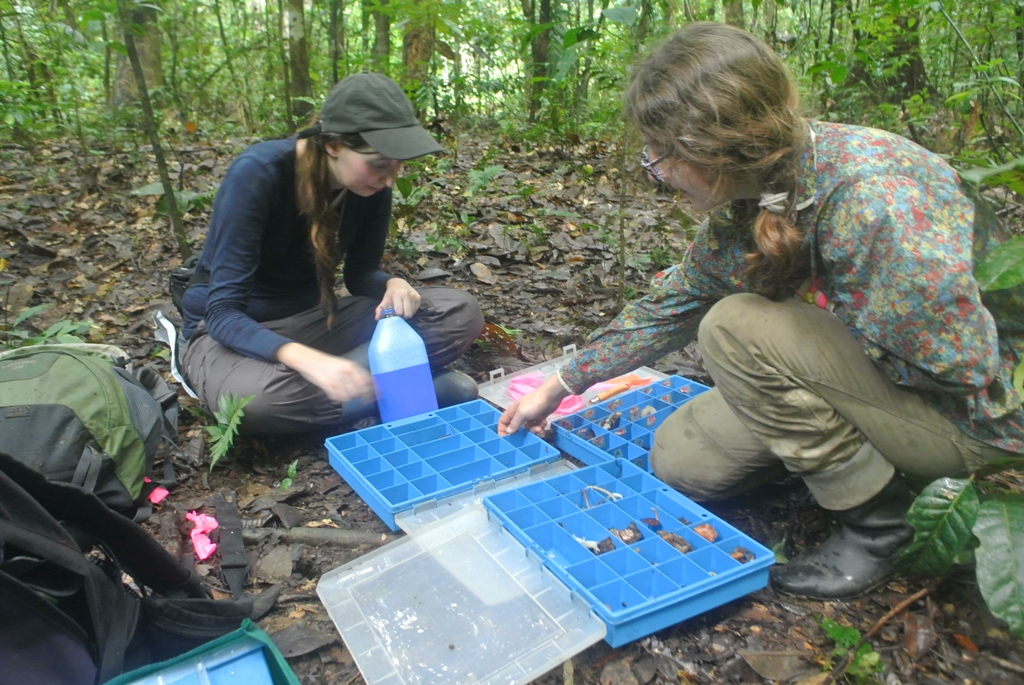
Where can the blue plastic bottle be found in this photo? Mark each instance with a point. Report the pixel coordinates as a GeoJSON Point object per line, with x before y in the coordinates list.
{"type": "Point", "coordinates": [400, 369]}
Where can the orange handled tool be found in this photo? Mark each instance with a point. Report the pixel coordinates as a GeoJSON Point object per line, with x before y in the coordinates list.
{"type": "Point", "coordinates": [610, 392]}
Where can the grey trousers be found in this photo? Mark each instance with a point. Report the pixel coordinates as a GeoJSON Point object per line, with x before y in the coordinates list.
{"type": "Point", "coordinates": [284, 402]}
{"type": "Point", "coordinates": [794, 392]}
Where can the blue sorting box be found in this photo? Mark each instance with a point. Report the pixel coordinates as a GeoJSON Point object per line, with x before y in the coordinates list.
{"type": "Point", "coordinates": [400, 465]}
{"type": "Point", "coordinates": [671, 560]}
{"type": "Point", "coordinates": [640, 412]}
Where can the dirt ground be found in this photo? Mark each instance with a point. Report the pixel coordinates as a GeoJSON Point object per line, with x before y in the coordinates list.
{"type": "Point", "coordinates": [538, 245]}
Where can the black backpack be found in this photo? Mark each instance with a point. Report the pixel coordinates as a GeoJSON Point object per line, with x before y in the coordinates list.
{"type": "Point", "coordinates": [67, 614]}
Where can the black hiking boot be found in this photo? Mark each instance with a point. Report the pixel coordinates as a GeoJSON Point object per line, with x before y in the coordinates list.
{"type": "Point", "coordinates": [858, 557]}
{"type": "Point", "coordinates": [453, 387]}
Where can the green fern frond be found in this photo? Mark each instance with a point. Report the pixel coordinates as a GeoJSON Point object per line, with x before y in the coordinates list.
{"type": "Point", "coordinates": [229, 415]}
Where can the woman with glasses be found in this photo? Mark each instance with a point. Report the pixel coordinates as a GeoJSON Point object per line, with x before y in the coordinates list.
{"type": "Point", "coordinates": [832, 295]}
{"type": "Point", "coordinates": [261, 314]}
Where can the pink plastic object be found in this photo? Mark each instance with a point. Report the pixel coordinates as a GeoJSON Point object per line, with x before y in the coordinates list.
{"type": "Point", "coordinates": [521, 385]}
{"type": "Point", "coordinates": [527, 383]}
{"type": "Point", "coordinates": [158, 494]}
{"type": "Point", "coordinates": [204, 524]}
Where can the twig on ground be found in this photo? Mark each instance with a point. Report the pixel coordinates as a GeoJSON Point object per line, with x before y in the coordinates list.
{"type": "Point", "coordinates": [1008, 665]}
{"type": "Point", "coordinates": [852, 653]}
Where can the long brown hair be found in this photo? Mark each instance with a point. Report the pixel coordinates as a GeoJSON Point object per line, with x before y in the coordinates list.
{"type": "Point", "coordinates": [314, 201]}
{"type": "Point", "coordinates": [716, 97]}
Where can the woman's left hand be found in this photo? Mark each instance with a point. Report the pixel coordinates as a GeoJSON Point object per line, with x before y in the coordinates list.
{"type": "Point", "coordinates": [402, 297]}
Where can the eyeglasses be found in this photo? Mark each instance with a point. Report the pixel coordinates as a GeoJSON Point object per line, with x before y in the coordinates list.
{"type": "Point", "coordinates": [651, 165]}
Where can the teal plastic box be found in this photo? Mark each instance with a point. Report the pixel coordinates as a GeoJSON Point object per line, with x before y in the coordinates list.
{"type": "Point", "coordinates": [244, 657]}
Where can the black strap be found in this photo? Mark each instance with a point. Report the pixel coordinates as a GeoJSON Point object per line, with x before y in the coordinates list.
{"type": "Point", "coordinates": [234, 565]}
{"type": "Point", "coordinates": [120, 612]}
{"type": "Point", "coordinates": [198, 276]}
{"type": "Point", "coordinates": [87, 472]}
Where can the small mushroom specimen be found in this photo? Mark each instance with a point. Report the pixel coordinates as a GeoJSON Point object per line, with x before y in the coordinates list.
{"type": "Point", "coordinates": [654, 523]}
{"type": "Point", "coordinates": [742, 555]}
{"type": "Point", "coordinates": [598, 547]}
{"type": "Point", "coordinates": [706, 531]}
{"type": "Point", "coordinates": [629, 534]}
{"type": "Point", "coordinates": [680, 544]}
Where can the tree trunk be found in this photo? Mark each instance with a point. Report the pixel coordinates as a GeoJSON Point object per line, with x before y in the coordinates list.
{"type": "Point", "coordinates": [7, 52]}
{"type": "Point", "coordinates": [37, 70]}
{"type": "Point", "coordinates": [912, 76]}
{"type": "Point", "coordinates": [289, 112]}
{"type": "Point", "coordinates": [417, 49]}
{"type": "Point", "coordinates": [539, 49]}
{"type": "Point", "coordinates": [588, 64]}
{"type": "Point", "coordinates": [298, 52]}
{"type": "Point", "coordinates": [148, 46]}
{"type": "Point", "coordinates": [381, 39]}
{"type": "Point", "coordinates": [671, 10]}
{"type": "Point", "coordinates": [106, 64]}
{"type": "Point", "coordinates": [644, 22]}
{"type": "Point", "coordinates": [245, 110]}
{"type": "Point", "coordinates": [149, 121]}
{"type": "Point", "coordinates": [1019, 33]}
{"type": "Point", "coordinates": [734, 12]}
{"type": "Point", "coordinates": [337, 37]}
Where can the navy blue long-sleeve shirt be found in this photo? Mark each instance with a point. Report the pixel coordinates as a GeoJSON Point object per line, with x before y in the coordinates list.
{"type": "Point", "coordinates": [259, 256]}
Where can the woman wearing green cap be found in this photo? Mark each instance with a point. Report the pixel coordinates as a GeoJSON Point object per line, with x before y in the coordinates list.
{"type": "Point", "coordinates": [261, 315]}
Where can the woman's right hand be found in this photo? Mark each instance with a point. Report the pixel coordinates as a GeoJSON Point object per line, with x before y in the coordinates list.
{"type": "Point", "coordinates": [340, 379]}
{"type": "Point", "coordinates": [532, 410]}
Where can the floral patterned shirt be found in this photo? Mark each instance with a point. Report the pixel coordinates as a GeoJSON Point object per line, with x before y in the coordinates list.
{"type": "Point", "coordinates": [892, 239]}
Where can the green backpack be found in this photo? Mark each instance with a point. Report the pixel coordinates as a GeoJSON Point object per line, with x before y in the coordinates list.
{"type": "Point", "coordinates": [78, 414]}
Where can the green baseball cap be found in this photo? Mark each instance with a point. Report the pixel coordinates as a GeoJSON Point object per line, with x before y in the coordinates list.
{"type": "Point", "coordinates": [375, 107]}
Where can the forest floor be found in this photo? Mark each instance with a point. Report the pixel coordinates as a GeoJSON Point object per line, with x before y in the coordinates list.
{"type": "Point", "coordinates": [534, 234]}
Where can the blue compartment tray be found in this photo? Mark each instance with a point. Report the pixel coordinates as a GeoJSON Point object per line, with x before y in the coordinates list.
{"type": "Point", "coordinates": [397, 466]}
{"type": "Point", "coordinates": [675, 559]}
{"type": "Point", "coordinates": [595, 435]}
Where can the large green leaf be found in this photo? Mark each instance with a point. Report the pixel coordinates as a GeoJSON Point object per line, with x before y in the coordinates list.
{"type": "Point", "coordinates": [156, 188]}
{"type": "Point", "coordinates": [1000, 528]}
{"type": "Point", "coordinates": [578, 35]}
{"type": "Point", "coordinates": [942, 516]}
{"type": "Point", "coordinates": [621, 15]}
{"type": "Point", "coordinates": [1002, 267]}
{"type": "Point", "coordinates": [1003, 174]}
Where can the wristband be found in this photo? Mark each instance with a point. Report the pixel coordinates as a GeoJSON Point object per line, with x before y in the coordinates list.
{"type": "Point", "coordinates": [558, 375]}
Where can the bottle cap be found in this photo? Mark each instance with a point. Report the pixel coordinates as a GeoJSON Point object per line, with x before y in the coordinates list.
{"type": "Point", "coordinates": [387, 312]}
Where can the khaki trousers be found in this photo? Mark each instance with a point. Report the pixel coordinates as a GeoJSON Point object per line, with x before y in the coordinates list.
{"type": "Point", "coordinates": [284, 402]}
{"type": "Point", "coordinates": [795, 392]}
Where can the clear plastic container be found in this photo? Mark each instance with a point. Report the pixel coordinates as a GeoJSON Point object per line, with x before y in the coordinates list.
{"type": "Point", "coordinates": [459, 602]}
{"type": "Point", "coordinates": [496, 390]}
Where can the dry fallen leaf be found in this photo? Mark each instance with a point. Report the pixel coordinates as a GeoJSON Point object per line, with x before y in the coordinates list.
{"type": "Point", "coordinates": [964, 642]}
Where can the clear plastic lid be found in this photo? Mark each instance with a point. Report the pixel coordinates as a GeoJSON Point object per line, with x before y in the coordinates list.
{"type": "Point", "coordinates": [459, 601]}
{"type": "Point", "coordinates": [496, 390]}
